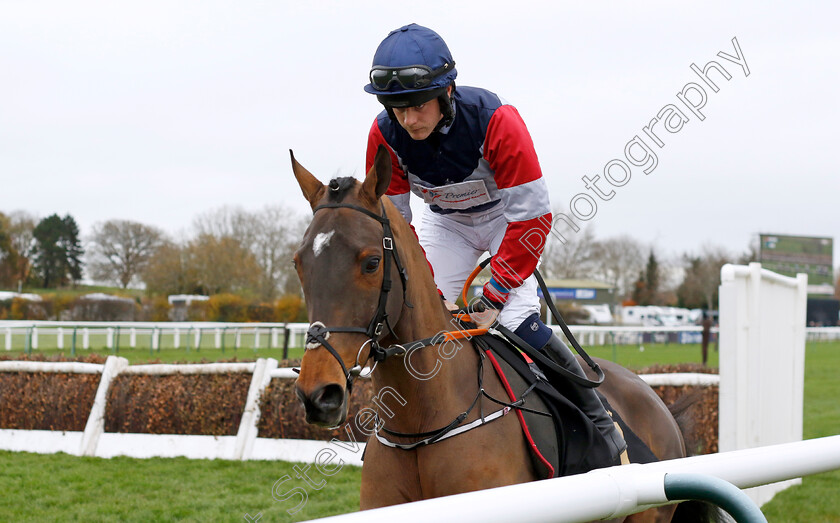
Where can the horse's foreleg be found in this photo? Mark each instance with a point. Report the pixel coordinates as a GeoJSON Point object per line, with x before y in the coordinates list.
{"type": "Point", "coordinates": [389, 477]}
{"type": "Point", "coordinates": [494, 455]}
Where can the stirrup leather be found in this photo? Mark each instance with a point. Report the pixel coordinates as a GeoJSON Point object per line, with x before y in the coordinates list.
{"type": "Point", "coordinates": [624, 457]}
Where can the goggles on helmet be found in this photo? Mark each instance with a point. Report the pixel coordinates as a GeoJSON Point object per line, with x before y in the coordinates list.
{"type": "Point", "coordinates": [409, 77]}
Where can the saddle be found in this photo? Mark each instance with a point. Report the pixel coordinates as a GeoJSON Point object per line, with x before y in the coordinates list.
{"type": "Point", "coordinates": [561, 439]}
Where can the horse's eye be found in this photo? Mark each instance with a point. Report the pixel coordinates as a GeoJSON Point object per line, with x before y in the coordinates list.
{"type": "Point", "coordinates": [371, 264]}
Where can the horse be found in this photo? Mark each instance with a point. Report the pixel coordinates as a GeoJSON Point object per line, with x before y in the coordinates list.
{"type": "Point", "coordinates": [367, 285]}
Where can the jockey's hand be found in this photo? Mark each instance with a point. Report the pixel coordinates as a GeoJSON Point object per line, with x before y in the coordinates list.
{"type": "Point", "coordinates": [486, 319]}
{"type": "Point", "coordinates": [449, 305]}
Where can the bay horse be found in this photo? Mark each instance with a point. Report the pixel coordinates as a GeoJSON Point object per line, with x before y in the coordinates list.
{"type": "Point", "coordinates": [367, 285]}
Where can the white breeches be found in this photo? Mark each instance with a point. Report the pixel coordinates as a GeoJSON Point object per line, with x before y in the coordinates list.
{"type": "Point", "coordinates": [455, 242]}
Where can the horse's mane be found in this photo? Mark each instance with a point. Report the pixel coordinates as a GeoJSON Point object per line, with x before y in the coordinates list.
{"type": "Point", "coordinates": [339, 187]}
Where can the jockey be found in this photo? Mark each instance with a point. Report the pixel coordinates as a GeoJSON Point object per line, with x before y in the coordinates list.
{"type": "Point", "coordinates": [469, 156]}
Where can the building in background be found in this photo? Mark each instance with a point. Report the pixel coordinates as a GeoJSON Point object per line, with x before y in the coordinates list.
{"type": "Point", "coordinates": [181, 303]}
{"type": "Point", "coordinates": [596, 298]}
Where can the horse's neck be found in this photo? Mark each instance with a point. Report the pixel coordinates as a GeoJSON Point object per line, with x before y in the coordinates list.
{"type": "Point", "coordinates": [431, 383]}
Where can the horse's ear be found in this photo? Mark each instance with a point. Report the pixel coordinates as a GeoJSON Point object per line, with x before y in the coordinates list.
{"type": "Point", "coordinates": [379, 176]}
{"type": "Point", "coordinates": [312, 188]}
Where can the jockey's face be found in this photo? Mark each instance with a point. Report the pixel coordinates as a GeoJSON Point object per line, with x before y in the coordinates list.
{"type": "Point", "coordinates": [419, 121]}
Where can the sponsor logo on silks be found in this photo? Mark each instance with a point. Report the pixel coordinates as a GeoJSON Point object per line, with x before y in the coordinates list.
{"type": "Point", "coordinates": [460, 197]}
{"type": "Point", "coordinates": [427, 193]}
{"type": "Point", "coordinates": [457, 195]}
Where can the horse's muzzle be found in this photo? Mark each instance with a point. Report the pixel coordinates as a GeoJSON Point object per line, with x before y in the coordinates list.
{"type": "Point", "coordinates": [325, 406]}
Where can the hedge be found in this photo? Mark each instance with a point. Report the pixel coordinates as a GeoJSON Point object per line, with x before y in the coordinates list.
{"type": "Point", "coordinates": [212, 404]}
{"type": "Point", "coordinates": [47, 400]}
{"type": "Point", "coordinates": [209, 404]}
{"type": "Point", "coordinates": [220, 307]}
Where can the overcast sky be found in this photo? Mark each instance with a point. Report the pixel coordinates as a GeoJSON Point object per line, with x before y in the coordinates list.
{"type": "Point", "coordinates": [159, 111]}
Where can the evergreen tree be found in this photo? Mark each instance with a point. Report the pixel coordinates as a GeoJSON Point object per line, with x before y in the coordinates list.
{"type": "Point", "coordinates": [57, 251]}
{"type": "Point", "coordinates": [639, 295]}
{"type": "Point", "coordinates": [646, 288]}
{"type": "Point", "coordinates": [652, 280]}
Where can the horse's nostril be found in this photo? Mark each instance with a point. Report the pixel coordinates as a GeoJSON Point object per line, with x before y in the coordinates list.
{"type": "Point", "coordinates": [329, 397]}
{"type": "Point", "coordinates": [300, 395]}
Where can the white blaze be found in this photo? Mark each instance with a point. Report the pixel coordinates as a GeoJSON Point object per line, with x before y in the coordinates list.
{"type": "Point", "coordinates": [321, 241]}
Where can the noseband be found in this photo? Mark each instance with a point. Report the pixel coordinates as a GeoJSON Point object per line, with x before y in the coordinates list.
{"type": "Point", "coordinates": [318, 333]}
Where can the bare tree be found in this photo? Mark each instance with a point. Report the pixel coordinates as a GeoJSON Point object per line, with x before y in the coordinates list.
{"type": "Point", "coordinates": [222, 265]}
{"type": "Point", "coordinates": [699, 289]}
{"type": "Point", "coordinates": [672, 273]}
{"type": "Point", "coordinates": [8, 256]}
{"type": "Point", "coordinates": [574, 259]}
{"type": "Point", "coordinates": [169, 272]}
{"type": "Point", "coordinates": [120, 250]}
{"type": "Point", "coordinates": [21, 227]}
{"type": "Point", "coordinates": [278, 232]}
{"type": "Point", "coordinates": [226, 222]}
{"type": "Point", "coordinates": [619, 260]}
{"type": "Point", "coordinates": [270, 235]}
{"type": "Point", "coordinates": [752, 252]}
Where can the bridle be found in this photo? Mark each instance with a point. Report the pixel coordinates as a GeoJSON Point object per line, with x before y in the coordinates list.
{"type": "Point", "coordinates": [318, 333]}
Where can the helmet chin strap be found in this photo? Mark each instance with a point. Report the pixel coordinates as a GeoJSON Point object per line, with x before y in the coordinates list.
{"type": "Point", "coordinates": [446, 109]}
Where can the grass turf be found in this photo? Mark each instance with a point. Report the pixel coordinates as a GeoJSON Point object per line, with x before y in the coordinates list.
{"type": "Point", "coordinates": [631, 356]}
{"type": "Point", "coordinates": [61, 487]}
{"type": "Point", "coordinates": [818, 498]}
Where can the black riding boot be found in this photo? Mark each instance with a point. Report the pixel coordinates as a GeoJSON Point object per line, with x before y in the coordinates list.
{"type": "Point", "coordinates": [585, 398]}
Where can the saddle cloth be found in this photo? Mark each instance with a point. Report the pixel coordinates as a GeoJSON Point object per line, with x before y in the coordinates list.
{"type": "Point", "coordinates": [561, 439]}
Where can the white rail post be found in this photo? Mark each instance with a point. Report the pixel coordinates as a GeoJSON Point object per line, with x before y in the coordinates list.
{"type": "Point", "coordinates": [96, 420]}
{"type": "Point", "coordinates": [274, 337]}
{"type": "Point", "coordinates": [247, 434]}
{"type": "Point", "coordinates": [59, 338]}
{"type": "Point", "coordinates": [8, 338]}
{"type": "Point", "coordinates": [218, 338]}
{"type": "Point", "coordinates": [177, 338]}
{"type": "Point", "coordinates": [109, 338]}
{"type": "Point", "coordinates": [611, 492]}
{"type": "Point", "coordinates": [256, 337]}
{"type": "Point", "coordinates": [132, 338]}
{"type": "Point", "coordinates": [198, 338]}
{"type": "Point", "coordinates": [34, 338]}
{"type": "Point", "coordinates": [85, 338]}
{"type": "Point", "coordinates": [762, 361]}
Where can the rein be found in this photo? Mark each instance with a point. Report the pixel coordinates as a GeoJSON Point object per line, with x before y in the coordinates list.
{"type": "Point", "coordinates": [533, 352]}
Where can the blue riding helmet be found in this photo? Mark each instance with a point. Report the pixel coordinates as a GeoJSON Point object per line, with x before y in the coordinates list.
{"type": "Point", "coordinates": [411, 66]}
